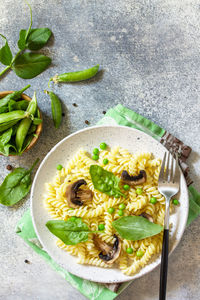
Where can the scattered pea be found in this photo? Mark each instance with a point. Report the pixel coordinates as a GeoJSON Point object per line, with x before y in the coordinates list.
{"type": "Point", "coordinates": [73, 218]}
{"type": "Point", "coordinates": [122, 206]}
{"type": "Point", "coordinates": [175, 202]}
{"type": "Point", "coordinates": [103, 146]}
{"type": "Point", "coordinates": [96, 151]}
{"type": "Point", "coordinates": [139, 191]}
{"type": "Point", "coordinates": [153, 200]}
{"type": "Point", "coordinates": [95, 157]}
{"type": "Point", "coordinates": [59, 167]}
{"type": "Point", "coordinates": [120, 212]}
{"type": "Point", "coordinates": [126, 187]}
{"type": "Point", "coordinates": [111, 210]}
{"type": "Point", "coordinates": [101, 227]}
{"type": "Point", "coordinates": [105, 161]}
{"type": "Point", "coordinates": [139, 253]}
{"type": "Point", "coordinates": [129, 250]}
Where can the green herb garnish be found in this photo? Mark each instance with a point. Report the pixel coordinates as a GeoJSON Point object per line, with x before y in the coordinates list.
{"type": "Point", "coordinates": [136, 228]}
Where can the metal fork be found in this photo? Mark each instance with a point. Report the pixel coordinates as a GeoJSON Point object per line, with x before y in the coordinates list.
{"type": "Point", "coordinates": [168, 186]}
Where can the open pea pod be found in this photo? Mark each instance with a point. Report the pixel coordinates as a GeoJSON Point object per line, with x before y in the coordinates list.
{"type": "Point", "coordinates": [105, 181]}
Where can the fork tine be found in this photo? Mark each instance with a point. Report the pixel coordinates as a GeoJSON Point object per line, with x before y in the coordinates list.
{"type": "Point", "coordinates": [171, 178]}
{"type": "Point", "coordinates": [177, 171]}
{"type": "Point", "coordinates": [167, 168]}
{"type": "Point", "coordinates": [162, 170]}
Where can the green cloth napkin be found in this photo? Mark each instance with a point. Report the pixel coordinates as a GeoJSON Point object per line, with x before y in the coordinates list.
{"type": "Point", "coordinates": [122, 116]}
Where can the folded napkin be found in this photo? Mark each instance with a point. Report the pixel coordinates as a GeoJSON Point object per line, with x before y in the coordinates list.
{"type": "Point", "coordinates": [122, 116]}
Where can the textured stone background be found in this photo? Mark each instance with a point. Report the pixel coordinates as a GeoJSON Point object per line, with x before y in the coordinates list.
{"type": "Point", "coordinates": [149, 53]}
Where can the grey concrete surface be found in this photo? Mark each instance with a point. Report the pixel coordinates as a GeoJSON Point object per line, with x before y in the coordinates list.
{"type": "Point", "coordinates": [149, 54]}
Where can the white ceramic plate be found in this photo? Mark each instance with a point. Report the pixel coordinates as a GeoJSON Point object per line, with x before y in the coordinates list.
{"type": "Point", "coordinates": [128, 138]}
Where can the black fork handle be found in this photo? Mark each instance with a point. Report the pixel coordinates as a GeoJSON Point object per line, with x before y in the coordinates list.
{"type": "Point", "coordinates": [164, 265]}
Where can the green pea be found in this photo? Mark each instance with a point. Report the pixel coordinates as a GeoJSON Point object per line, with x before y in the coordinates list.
{"type": "Point", "coordinates": [95, 157]}
{"type": "Point", "coordinates": [101, 227]}
{"type": "Point", "coordinates": [105, 161]}
{"type": "Point", "coordinates": [71, 208]}
{"type": "Point", "coordinates": [59, 167]}
{"type": "Point", "coordinates": [96, 151]}
{"type": "Point", "coordinates": [153, 200]}
{"type": "Point", "coordinates": [126, 187]}
{"type": "Point", "coordinates": [117, 195]}
{"type": "Point", "coordinates": [139, 191]}
{"type": "Point", "coordinates": [122, 206]}
{"type": "Point", "coordinates": [111, 210]}
{"type": "Point", "coordinates": [73, 218]}
{"type": "Point", "coordinates": [110, 183]}
{"type": "Point", "coordinates": [103, 146]}
{"type": "Point", "coordinates": [120, 212]}
{"type": "Point", "coordinates": [175, 202]}
{"type": "Point", "coordinates": [139, 253]}
{"type": "Point", "coordinates": [129, 250]}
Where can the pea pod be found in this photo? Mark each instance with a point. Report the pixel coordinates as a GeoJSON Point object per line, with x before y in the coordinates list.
{"type": "Point", "coordinates": [14, 96]}
{"type": "Point", "coordinates": [25, 124]}
{"type": "Point", "coordinates": [76, 76]}
{"type": "Point", "coordinates": [7, 125]}
{"type": "Point", "coordinates": [22, 104]}
{"type": "Point", "coordinates": [56, 108]}
{"type": "Point", "coordinates": [105, 182]}
{"type": "Point", "coordinates": [37, 121]}
{"type": "Point", "coordinates": [13, 115]}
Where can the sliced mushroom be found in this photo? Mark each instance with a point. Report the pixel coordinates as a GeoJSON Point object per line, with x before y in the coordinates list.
{"type": "Point", "coordinates": [75, 196]}
{"type": "Point", "coordinates": [134, 180]}
{"type": "Point", "coordinates": [108, 253]}
{"type": "Point", "coordinates": [147, 216]}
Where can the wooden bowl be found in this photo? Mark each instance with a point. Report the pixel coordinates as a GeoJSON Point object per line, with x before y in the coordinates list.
{"type": "Point", "coordinates": [39, 127]}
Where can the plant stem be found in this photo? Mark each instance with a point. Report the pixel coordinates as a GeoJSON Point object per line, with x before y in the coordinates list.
{"type": "Point", "coordinates": [4, 71]}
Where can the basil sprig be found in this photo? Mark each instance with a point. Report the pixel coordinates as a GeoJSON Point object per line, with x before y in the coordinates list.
{"type": "Point", "coordinates": [105, 181]}
{"type": "Point", "coordinates": [71, 232]}
{"type": "Point", "coordinates": [27, 65]}
{"type": "Point", "coordinates": [136, 228]}
{"type": "Point", "coordinates": [16, 185]}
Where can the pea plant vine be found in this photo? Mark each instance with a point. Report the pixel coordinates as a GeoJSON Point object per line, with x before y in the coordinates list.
{"type": "Point", "coordinates": [26, 64]}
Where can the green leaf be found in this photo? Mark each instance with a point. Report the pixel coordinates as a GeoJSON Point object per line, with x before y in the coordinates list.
{"type": "Point", "coordinates": [16, 186]}
{"type": "Point", "coordinates": [37, 38]}
{"type": "Point", "coordinates": [5, 53]}
{"type": "Point", "coordinates": [105, 182]}
{"type": "Point", "coordinates": [29, 65]}
{"type": "Point", "coordinates": [22, 40]}
{"type": "Point", "coordinates": [71, 232]}
{"type": "Point", "coordinates": [4, 139]}
{"type": "Point", "coordinates": [136, 228]}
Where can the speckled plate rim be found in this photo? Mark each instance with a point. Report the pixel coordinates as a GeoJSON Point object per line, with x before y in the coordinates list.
{"type": "Point", "coordinates": [91, 272]}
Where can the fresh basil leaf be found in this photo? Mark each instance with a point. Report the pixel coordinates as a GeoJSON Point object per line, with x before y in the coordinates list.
{"type": "Point", "coordinates": [37, 38]}
{"type": "Point", "coordinates": [3, 109]}
{"type": "Point", "coordinates": [29, 65]}
{"type": "Point", "coordinates": [16, 185]}
{"type": "Point", "coordinates": [37, 121]}
{"type": "Point", "coordinates": [6, 136]}
{"type": "Point", "coordinates": [12, 105]}
{"type": "Point", "coordinates": [70, 232]}
{"type": "Point", "coordinates": [5, 53]}
{"type": "Point", "coordinates": [22, 40]}
{"type": "Point", "coordinates": [4, 142]}
{"type": "Point", "coordinates": [22, 105]}
{"type": "Point", "coordinates": [136, 228]}
{"type": "Point", "coordinates": [105, 181]}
